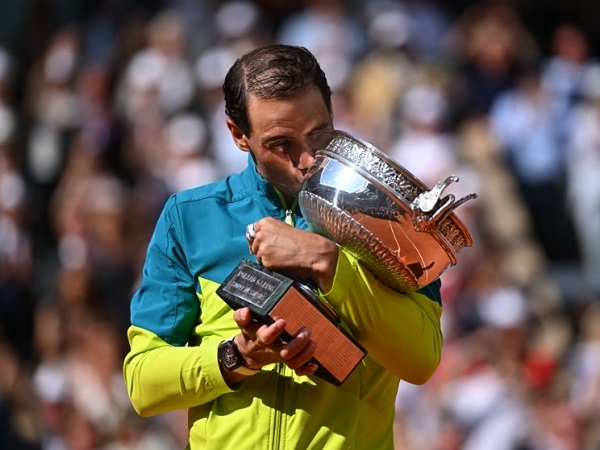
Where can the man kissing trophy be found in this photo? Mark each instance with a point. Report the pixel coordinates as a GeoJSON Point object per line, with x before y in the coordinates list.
{"type": "Point", "coordinates": [406, 234]}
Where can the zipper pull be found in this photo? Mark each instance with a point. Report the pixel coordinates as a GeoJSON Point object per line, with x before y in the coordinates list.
{"type": "Point", "coordinates": [289, 217]}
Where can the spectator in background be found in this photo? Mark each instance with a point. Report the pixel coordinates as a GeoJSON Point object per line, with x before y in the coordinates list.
{"type": "Point", "coordinates": [188, 161]}
{"type": "Point", "coordinates": [490, 46]}
{"type": "Point", "coordinates": [16, 259]}
{"type": "Point", "coordinates": [239, 27]}
{"type": "Point", "coordinates": [161, 69]}
{"type": "Point", "coordinates": [7, 114]}
{"type": "Point", "coordinates": [563, 71]}
{"type": "Point", "coordinates": [584, 365]}
{"type": "Point", "coordinates": [51, 107]}
{"type": "Point", "coordinates": [330, 31]}
{"type": "Point", "coordinates": [583, 175]}
{"type": "Point", "coordinates": [423, 144]}
{"type": "Point", "coordinates": [379, 79]}
{"type": "Point", "coordinates": [527, 124]}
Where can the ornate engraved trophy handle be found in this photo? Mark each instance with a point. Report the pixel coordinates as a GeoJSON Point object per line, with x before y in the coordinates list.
{"type": "Point", "coordinates": [425, 215]}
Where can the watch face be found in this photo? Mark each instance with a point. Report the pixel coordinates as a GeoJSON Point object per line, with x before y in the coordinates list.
{"type": "Point", "coordinates": [229, 356]}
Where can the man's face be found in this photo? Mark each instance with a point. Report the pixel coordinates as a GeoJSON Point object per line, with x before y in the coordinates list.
{"type": "Point", "coordinates": [285, 134]}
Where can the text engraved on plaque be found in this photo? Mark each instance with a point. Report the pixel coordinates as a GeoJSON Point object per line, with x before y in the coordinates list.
{"type": "Point", "coordinates": [252, 286]}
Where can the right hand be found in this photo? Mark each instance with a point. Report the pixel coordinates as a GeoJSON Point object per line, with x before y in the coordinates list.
{"type": "Point", "coordinates": [298, 253]}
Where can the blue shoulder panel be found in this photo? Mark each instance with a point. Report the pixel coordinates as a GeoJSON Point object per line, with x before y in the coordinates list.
{"type": "Point", "coordinates": [432, 291]}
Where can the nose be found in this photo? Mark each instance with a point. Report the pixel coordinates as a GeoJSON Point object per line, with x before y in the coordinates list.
{"type": "Point", "coordinates": [306, 159]}
{"type": "Point", "coordinates": [303, 156]}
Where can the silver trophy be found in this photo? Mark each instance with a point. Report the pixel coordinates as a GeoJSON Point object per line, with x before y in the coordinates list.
{"type": "Point", "coordinates": [405, 233]}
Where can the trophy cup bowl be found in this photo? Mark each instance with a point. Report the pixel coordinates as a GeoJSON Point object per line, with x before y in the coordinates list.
{"type": "Point", "coordinates": [406, 234]}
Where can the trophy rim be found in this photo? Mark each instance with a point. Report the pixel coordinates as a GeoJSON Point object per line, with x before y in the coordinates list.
{"type": "Point", "coordinates": [373, 150]}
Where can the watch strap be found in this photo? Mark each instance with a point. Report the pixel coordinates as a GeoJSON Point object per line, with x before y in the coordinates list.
{"type": "Point", "coordinates": [246, 371]}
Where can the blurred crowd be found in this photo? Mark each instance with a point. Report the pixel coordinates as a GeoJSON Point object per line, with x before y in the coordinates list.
{"type": "Point", "coordinates": [106, 110]}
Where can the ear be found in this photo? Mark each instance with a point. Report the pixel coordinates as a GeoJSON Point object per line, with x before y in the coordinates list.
{"type": "Point", "coordinates": [240, 139]}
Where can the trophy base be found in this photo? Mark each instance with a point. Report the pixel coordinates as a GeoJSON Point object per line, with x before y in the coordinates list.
{"type": "Point", "coordinates": [270, 294]}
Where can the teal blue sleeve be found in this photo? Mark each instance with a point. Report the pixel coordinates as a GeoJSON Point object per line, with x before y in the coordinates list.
{"type": "Point", "coordinates": [166, 302]}
{"type": "Point", "coordinates": [432, 291]}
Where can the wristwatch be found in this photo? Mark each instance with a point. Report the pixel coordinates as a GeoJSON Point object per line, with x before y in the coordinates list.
{"type": "Point", "coordinates": [231, 358]}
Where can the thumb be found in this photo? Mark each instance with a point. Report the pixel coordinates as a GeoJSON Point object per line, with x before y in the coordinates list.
{"type": "Point", "coordinates": [242, 316]}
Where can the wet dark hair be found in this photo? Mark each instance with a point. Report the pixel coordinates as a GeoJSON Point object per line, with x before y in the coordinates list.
{"type": "Point", "coordinates": [273, 71]}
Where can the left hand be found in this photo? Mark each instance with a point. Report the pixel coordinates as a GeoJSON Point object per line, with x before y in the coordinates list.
{"type": "Point", "coordinates": [261, 344]}
{"type": "Point", "coordinates": [295, 252]}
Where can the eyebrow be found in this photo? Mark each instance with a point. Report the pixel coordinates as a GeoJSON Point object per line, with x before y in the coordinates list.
{"type": "Point", "coordinates": [268, 140]}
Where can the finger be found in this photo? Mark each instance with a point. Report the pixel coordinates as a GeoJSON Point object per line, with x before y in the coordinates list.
{"type": "Point", "coordinates": [303, 357]}
{"type": "Point", "coordinates": [267, 335]}
{"type": "Point", "coordinates": [242, 316]}
{"type": "Point", "coordinates": [296, 345]}
{"type": "Point", "coordinates": [307, 369]}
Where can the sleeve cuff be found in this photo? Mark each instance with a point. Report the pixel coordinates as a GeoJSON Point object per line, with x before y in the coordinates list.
{"type": "Point", "coordinates": [343, 279]}
{"type": "Point", "coordinates": [209, 362]}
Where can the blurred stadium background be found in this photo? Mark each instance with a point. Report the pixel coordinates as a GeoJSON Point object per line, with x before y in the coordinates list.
{"type": "Point", "coordinates": [108, 107]}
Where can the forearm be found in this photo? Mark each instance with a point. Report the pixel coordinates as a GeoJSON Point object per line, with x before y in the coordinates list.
{"type": "Point", "coordinates": [401, 332]}
{"type": "Point", "coordinates": [163, 378]}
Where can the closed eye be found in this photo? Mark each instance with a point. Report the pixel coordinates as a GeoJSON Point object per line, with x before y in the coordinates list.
{"type": "Point", "coordinates": [279, 146]}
